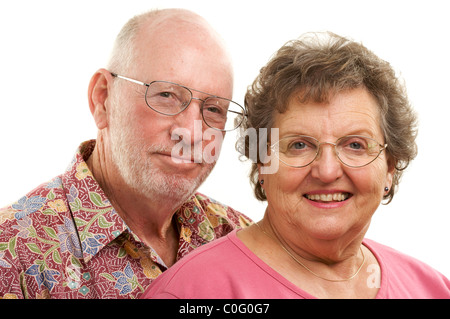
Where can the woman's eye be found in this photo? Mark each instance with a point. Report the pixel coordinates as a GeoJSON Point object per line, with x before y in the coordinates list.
{"type": "Point", "coordinates": [355, 146]}
{"type": "Point", "coordinates": [298, 145]}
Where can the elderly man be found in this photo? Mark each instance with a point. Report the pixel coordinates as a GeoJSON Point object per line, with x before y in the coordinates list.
{"type": "Point", "coordinates": [126, 208]}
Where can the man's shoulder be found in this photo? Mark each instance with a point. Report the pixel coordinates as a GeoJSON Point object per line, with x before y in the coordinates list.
{"type": "Point", "coordinates": [216, 210]}
{"type": "Point", "coordinates": [42, 202]}
{"type": "Point", "coordinates": [28, 227]}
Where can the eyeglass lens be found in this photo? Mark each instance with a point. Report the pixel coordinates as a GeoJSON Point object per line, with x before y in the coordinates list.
{"type": "Point", "coordinates": [170, 99]}
{"type": "Point", "coordinates": [354, 151]}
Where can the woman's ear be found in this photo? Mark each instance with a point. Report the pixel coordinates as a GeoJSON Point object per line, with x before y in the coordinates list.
{"type": "Point", "coordinates": [260, 176]}
{"type": "Point", "coordinates": [390, 173]}
{"type": "Point", "coordinates": [97, 95]}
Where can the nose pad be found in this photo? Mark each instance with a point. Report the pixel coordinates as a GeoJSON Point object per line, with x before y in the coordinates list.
{"type": "Point", "coordinates": [195, 105]}
{"type": "Point", "coordinates": [333, 150]}
{"type": "Point", "coordinates": [196, 98]}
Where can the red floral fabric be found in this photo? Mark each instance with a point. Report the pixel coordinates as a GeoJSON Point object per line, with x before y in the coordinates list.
{"type": "Point", "coordinates": [65, 240]}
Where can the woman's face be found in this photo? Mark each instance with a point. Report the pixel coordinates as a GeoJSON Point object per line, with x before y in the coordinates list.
{"type": "Point", "coordinates": [289, 191]}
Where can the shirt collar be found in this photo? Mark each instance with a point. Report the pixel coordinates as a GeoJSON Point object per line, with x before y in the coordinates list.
{"type": "Point", "coordinates": [96, 221]}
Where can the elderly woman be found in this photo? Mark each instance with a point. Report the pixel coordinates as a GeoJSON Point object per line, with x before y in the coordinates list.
{"type": "Point", "coordinates": [345, 133]}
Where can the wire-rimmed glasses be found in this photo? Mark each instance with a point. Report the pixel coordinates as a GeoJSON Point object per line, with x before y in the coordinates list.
{"type": "Point", "coordinates": [170, 99]}
{"type": "Point", "coordinates": [352, 150]}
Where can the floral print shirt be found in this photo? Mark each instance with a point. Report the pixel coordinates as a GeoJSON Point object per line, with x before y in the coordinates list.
{"type": "Point", "coordinates": [65, 240]}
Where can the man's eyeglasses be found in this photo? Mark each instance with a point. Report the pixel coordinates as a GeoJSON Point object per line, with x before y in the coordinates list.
{"type": "Point", "coordinates": [353, 150]}
{"type": "Point", "coordinates": [170, 99]}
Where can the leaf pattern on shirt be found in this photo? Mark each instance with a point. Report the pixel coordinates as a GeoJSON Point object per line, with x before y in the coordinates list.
{"type": "Point", "coordinates": [65, 240]}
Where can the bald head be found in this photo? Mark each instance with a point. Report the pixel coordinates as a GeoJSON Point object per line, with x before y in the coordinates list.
{"type": "Point", "coordinates": [175, 19]}
{"type": "Point", "coordinates": [142, 35]}
{"type": "Point", "coordinates": [175, 46]}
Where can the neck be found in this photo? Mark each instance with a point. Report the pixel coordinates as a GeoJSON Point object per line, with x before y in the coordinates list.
{"type": "Point", "coordinates": [333, 261]}
{"type": "Point", "coordinates": [149, 217]}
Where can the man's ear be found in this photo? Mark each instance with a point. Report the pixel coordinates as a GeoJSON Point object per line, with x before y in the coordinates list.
{"type": "Point", "coordinates": [97, 95]}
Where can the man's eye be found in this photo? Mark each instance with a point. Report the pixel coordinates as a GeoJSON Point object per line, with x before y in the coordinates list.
{"type": "Point", "coordinates": [213, 109]}
{"type": "Point", "coordinates": [165, 94]}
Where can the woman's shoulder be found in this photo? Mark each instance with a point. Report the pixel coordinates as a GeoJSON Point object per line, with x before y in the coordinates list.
{"type": "Point", "coordinates": [404, 276]}
{"type": "Point", "coordinates": [393, 256]}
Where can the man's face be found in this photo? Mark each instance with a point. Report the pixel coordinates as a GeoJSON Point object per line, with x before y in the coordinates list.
{"type": "Point", "coordinates": [142, 140]}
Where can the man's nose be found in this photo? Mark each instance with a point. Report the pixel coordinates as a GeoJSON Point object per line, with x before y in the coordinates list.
{"type": "Point", "coordinates": [189, 123]}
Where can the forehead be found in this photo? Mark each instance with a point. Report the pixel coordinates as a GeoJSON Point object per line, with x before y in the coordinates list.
{"type": "Point", "coordinates": [184, 51]}
{"type": "Point", "coordinates": [351, 112]}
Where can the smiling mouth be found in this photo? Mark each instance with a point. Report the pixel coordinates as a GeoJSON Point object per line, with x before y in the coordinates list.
{"type": "Point", "coordinates": [335, 197]}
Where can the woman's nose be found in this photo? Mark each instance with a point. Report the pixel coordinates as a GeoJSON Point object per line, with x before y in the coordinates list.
{"type": "Point", "coordinates": [327, 166]}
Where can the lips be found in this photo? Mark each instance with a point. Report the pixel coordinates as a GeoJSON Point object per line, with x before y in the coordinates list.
{"type": "Point", "coordinates": [180, 159]}
{"type": "Point", "coordinates": [328, 197]}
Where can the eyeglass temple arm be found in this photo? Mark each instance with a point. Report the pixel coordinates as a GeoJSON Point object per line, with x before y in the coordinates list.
{"type": "Point", "coordinates": [146, 84]}
{"type": "Point", "coordinates": [128, 79]}
{"type": "Point", "coordinates": [240, 113]}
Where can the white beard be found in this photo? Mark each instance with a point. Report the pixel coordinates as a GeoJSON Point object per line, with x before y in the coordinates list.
{"type": "Point", "coordinates": [137, 170]}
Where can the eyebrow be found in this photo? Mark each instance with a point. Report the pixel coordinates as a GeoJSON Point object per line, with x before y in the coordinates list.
{"type": "Point", "coordinates": [360, 132]}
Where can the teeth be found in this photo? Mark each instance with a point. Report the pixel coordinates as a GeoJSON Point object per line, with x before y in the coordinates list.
{"type": "Point", "coordinates": [337, 197]}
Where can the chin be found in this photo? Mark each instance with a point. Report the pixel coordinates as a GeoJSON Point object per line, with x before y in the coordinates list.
{"type": "Point", "coordinates": [174, 186]}
{"type": "Point", "coordinates": [329, 229]}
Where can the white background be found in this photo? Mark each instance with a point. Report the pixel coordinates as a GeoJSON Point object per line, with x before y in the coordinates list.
{"type": "Point", "coordinates": [50, 49]}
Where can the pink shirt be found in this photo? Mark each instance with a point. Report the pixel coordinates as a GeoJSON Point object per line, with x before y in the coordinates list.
{"type": "Point", "coordinates": [226, 268]}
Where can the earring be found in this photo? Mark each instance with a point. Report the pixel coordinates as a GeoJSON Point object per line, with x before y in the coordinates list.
{"type": "Point", "coordinates": [261, 182]}
{"type": "Point", "coordinates": [386, 189]}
